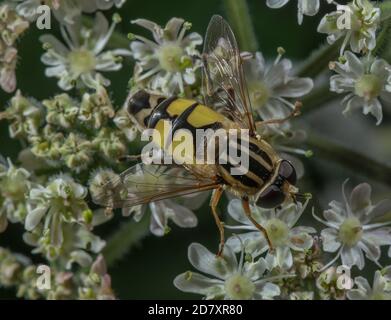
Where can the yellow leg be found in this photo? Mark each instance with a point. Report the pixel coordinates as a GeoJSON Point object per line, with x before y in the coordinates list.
{"type": "Point", "coordinates": [247, 210]}
{"type": "Point", "coordinates": [213, 204]}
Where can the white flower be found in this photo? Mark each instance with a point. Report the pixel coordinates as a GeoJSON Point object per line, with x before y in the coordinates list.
{"type": "Point", "coordinates": [381, 289]}
{"type": "Point", "coordinates": [167, 63]}
{"type": "Point", "coordinates": [230, 279]}
{"type": "Point", "coordinates": [14, 185]}
{"type": "Point", "coordinates": [361, 33]}
{"type": "Point", "coordinates": [367, 82]}
{"type": "Point", "coordinates": [82, 58]}
{"type": "Point", "coordinates": [66, 11]}
{"type": "Point", "coordinates": [270, 86]}
{"type": "Point", "coordinates": [125, 124]}
{"type": "Point", "coordinates": [12, 26]}
{"type": "Point", "coordinates": [305, 7]}
{"type": "Point", "coordinates": [280, 227]}
{"type": "Point", "coordinates": [62, 200]}
{"type": "Point", "coordinates": [25, 116]}
{"type": "Point", "coordinates": [352, 230]}
{"type": "Point", "coordinates": [179, 211]}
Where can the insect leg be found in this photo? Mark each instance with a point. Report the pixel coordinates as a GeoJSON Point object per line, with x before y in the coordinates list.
{"type": "Point", "coordinates": [216, 196]}
{"type": "Point", "coordinates": [247, 210]}
{"type": "Point", "coordinates": [130, 158]}
{"type": "Point", "coordinates": [294, 113]}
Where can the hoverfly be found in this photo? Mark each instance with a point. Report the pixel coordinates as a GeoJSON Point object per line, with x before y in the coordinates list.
{"type": "Point", "coordinates": [270, 180]}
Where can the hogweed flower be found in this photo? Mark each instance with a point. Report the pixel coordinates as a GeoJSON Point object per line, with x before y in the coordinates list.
{"type": "Point", "coordinates": [66, 11]}
{"type": "Point", "coordinates": [231, 279]}
{"type": "Point", "coordinates": [163, 211]}
{"type": "Point", "coordinates": [10, 268]}
{"type": "Point", "coordinates": [125, 124]}
{"type": "Point", "coordinates": [352, 228]}
{"type": "Point", "coordinates": [60, 202]}
{"type": "Point", "coordinates": [305, 7]}
{"type": "Point", "coordinates": [14, 186]}
{"type": "Point", "coordinates": [97, 284]}
{"type": "Point", "coordinates": [178, 211]}
{"type": "Point", "coordinates": [47, 145]}
{"type": "Point", "coordinates": [307, 263]}
{"type": "Point", "coordinates": [329, 286]}
{"type": "Point", "coordinates": [77, 152]}
{"type": "Point", "coordinates": [81, 60]}
{"type": "Point", "coordinates": [168, 63]}
{"type": "Point", "coordinates": [111, 144]}
{"type": "Point", "coordinates": [280, 227]}
{"type": "Point", "coordinates": [96, 108]}
{"type": "Point", "coordinates": [380, 290]}
{"type": "Point", "coordinates": [61, 111]}
{"type": "Point", "coordinates": [11, 27]}
{"type": "Point", "coordinates": [25, 116]}
{"type": "Point", "coordinates": [270, 87]}
{"type": "Point", "coordinates": [367, 82]}
{"type": "Point", "coordinates": [358, 28]}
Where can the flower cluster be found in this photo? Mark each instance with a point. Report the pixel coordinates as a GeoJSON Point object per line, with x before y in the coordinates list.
{"type": "Point", "coordinates": [80, 60]}
{"type": "Point", "coordinates": [168, 64]}
{"type": "Point", "coordinates": [354, 26]}
{"type": "Point", "coordinates": [353, 228]}
{"type": "Point", "coordinates": [66, 180]}
{"type": "Point", "coordinates": [11, 28]}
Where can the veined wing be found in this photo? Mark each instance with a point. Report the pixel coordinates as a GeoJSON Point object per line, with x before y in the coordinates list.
{"type": "Point", "coordinates": [223, 82]}
{"type": "Point", "coordinates": [143, 183]}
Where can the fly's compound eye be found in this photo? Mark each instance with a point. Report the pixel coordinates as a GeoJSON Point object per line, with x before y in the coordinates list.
{"type": "Point", "coordinates": [288, 172]}
{"type": "Point", "coordinates": [271, 197]}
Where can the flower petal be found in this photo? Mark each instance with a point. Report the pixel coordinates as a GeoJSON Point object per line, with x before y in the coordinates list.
{"type": "Point", "coordinates": [254, 243]}
{"type": "Point", "coordinates": [266, 291]}
{"type": "Point", "coordinates": [353, 256]}
{"type": "Point", "coordinates": [197, 283]}
{"type": "Point", "coordinates": [275, 4]}
{"type": "Point", "coordinates": [294, 88]}
{"type": "Point", "coordinates": [34, 217]}
{"type": "Point", "coordinates": [203, 260]}
{"type": "Point", "coordinates": [360, 197]}
{"type": "Point", "coordinates": [330, 240]}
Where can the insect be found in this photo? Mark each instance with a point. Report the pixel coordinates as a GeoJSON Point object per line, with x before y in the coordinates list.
{"type": "Point", "coordinates": [269, 181]}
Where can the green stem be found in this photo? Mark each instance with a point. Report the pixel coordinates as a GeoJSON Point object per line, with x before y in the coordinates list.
{"type": "Point", "coordinates": [240, 19]}
{"type": "Point", "coordinates": [128, 235]}
{"type": "Point", "coordinates": [383, 39]}
{"type": "Point", "coordinates": [385, 8]}
{"type": "Point", "coordinates": [117, 39]}
{"type": "Point", "coordinates": [319, 60]}
{"type": "Point", "coordinates": [352, 160]}
{"type": "Point", "coordinates": [318, 98]}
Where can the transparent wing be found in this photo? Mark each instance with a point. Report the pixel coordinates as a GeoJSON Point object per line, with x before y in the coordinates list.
{"type": "Point", "coordinates": [148, 183]}
{"type": "Point", "coordinates": [224, 86]}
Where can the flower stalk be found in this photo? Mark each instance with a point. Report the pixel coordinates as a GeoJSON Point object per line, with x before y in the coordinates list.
{"type": "Point", "coordinates": [319, 60]}
{"type": "Point", "coordinates": [120, 243]}
{"type": "Point", "coordinates": [356, 162]}
{"type": "Point", "coordinates": [240, 19]}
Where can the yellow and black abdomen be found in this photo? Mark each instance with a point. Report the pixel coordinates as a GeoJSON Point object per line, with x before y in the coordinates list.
{"type": "Point", "coordinates": [174, 116]}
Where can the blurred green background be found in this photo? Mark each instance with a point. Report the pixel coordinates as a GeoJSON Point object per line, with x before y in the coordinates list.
{"type": "Point", "coordinates": [148, 269]}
